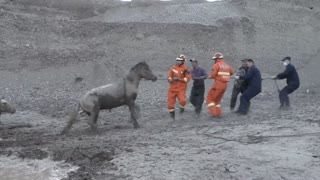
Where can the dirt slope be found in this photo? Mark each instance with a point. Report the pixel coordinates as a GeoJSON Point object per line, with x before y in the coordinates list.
{"type": "Point", "coordinates": [51, 52]}
{"type": "Point", "coordinates": [114, 38]}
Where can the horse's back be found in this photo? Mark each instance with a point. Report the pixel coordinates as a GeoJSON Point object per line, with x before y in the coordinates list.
{"type": "Point", "coordinates": [109, 89]}
{"type": "Point", "coordinates": [108, 96]}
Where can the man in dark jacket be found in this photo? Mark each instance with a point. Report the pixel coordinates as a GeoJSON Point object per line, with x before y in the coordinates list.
{"type": "Point", "coordinates": [253, 78]}
{"type": "Point", "coordinates": [293, 82]}
{"type": "Point", "coordinates": [239, 84]}
{"type": "Point", "coordinates": [198, 75]}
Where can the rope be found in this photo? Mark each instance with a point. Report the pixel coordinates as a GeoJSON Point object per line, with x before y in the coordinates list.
{"type": "Point", "coordinates": [161, 79]}
{"type": "Point", "coordinates": [275, 82]}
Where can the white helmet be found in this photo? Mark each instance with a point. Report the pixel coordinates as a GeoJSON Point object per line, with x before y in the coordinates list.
{"type": "Point", "coordinates": [217, 56]}
{"type": "Point", "coordinates": [181, 58]}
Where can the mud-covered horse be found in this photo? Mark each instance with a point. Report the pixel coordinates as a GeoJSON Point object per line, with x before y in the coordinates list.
{"type": "Point", "coordinates": [6, 107]}
{"type": "Point", "coordinates": [123, 92]}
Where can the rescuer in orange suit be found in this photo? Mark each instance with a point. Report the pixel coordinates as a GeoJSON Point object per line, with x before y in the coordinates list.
{"type": "Point", "coordinates": [221, 73]}
{"type": "Point", "coordinates": [178, 78]}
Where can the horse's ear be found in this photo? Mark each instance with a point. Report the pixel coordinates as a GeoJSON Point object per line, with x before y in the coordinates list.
{"type": "Point", "coordinates": [146, 63]}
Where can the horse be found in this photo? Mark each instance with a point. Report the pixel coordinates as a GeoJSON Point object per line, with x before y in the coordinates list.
{"type": "Point", "coordinates": [6, 107]}
{"type": "Point", "coordinates": [123, 92]}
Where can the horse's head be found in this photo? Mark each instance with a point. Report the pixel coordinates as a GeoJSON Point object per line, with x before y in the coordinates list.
{"type": "Point", "coordinates": [143, 71]}
{"type": "Point", "coordinates": [5, 107]}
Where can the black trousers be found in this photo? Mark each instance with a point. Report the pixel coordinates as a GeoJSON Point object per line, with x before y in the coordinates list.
{"type": "Point", "coordinates": [234, 96]}
{"type": "Point", "coordinates": [283, 95]}
{"type": "Point", "coordinates": [197, 97]}
{"type": "Point", "coordinates": [245, 98]}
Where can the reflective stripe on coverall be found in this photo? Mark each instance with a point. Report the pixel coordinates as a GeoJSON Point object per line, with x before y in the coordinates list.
{"type": "Point", "coordinates": [177, 89]}
{"type": "Point", "coordinates": [221, 72]}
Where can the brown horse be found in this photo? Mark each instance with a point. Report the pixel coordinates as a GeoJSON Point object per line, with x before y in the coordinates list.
{"type": "Point", "coordinates": [123, 92]}
{"type": "Point", "coordinates": [6, 107]}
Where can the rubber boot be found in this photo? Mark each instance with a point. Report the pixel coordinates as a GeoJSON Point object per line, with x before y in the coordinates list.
{"type": "Point", "coordinates": [219, 111]}
{"type": "Point", "coordinates": [172, 115]}
{"type": "Point", "coordinates": [212, 110]}
{"type": "Point", "coordinates": [181, 110]}
{"type": "Point", "coordinates": [231, 109]}
{"type": "Point", "coordinates": [197, 110]}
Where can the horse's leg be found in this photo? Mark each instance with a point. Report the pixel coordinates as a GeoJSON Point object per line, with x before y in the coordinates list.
{"type": "Point", "coordinates": [94, 117]}
{"type": "Point", "coordinates": [133, 114]}
{"type": "Point", "coordinates": [96, 109]}
{"type": "Point", "coordinates": [95, 120]}
{"type": "Point", "coordinates": [92, 121]}
{"type": "Point", "coordinates": [137, 111]}
{"type": "Point", "coordinates": [73, 118]}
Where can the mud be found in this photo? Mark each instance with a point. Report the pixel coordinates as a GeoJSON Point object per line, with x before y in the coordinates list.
{"type": "Point", "coordinates": [50, 54]}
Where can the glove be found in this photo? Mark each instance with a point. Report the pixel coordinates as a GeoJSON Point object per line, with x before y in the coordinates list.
{"type": "Point", "coordinates": [184, 72]}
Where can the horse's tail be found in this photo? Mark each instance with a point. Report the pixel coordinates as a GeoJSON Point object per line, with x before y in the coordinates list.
{"type": "Point", "coordinates": [72, 119]}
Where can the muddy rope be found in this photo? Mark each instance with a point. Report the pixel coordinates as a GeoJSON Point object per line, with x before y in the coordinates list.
{"type": "Point", "coordinates": [161, 79]}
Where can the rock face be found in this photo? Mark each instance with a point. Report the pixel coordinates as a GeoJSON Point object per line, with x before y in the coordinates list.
{"type": "Point", "coordinates": [52, 52]}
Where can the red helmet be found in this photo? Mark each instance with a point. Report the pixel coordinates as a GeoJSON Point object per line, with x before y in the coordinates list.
{"type": "Point", "coordinates": [217, 56]}
{"type": "Point", "coordinates": [181, 58]}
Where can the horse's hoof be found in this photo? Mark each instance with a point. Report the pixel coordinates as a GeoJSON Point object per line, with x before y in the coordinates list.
{"type": "Point", "coordinates": [136, 126]}
{"type": "Point", "coordinates": [95, 130]}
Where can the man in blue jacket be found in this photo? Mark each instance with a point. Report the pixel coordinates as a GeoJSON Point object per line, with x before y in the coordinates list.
{"type": "Point", "coordinates": [293, 82]}
{"type": "Point", "coordinates": [253, 79]}
{"type": "Point", "coordinates": [239, 85]}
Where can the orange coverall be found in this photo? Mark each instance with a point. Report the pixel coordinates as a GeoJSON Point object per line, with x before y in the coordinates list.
{"type": "Point", "coordinates": [177, 88]}
{"type": "Point", "coordinates": [221, 72]}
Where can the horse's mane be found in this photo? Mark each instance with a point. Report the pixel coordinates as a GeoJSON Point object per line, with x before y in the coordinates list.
{"type": "Point", "coordinates": [142, 63]}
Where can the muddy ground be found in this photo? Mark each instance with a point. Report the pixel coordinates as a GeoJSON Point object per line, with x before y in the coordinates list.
{"type": "Point", "coordinates": [53, 52]}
